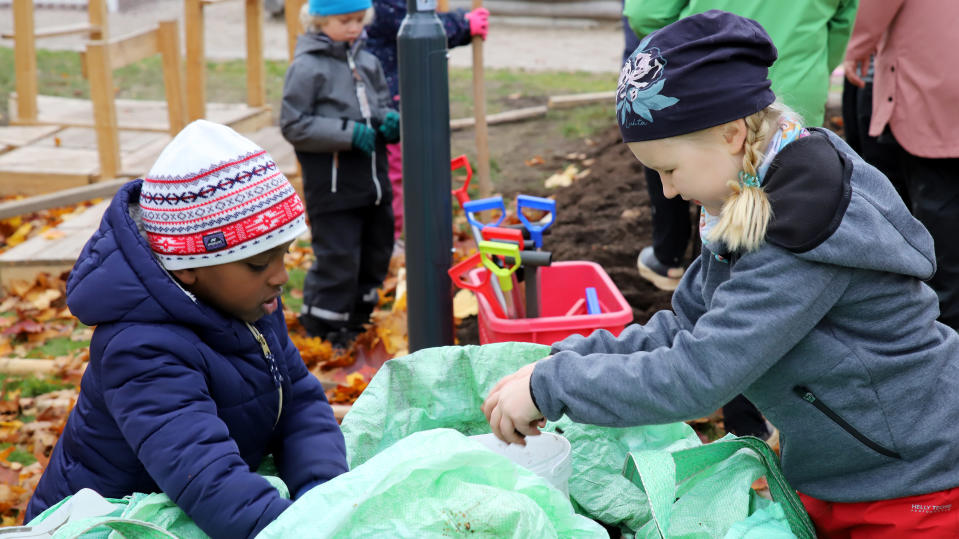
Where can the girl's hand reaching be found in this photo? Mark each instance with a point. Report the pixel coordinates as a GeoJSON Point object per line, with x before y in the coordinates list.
{"type": "Point", "coordinates": [510, 410]}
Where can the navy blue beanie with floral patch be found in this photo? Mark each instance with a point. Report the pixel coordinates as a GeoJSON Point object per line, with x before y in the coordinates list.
{"type": "Point", "coordinates": [698, 72]}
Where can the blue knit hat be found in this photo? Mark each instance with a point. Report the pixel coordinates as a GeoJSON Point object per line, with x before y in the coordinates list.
{"type": "Point", "coordinates": [698, 72]}
{"type": "Point", "coordinates": [337, 7]}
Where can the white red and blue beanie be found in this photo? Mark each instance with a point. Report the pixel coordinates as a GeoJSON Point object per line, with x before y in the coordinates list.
{"type": "Point", "coordinates": [324, 8]}
{"type": "Point", "coordinates": [698, 72]}
{"type": "Point", "coordinates": [213, 197]}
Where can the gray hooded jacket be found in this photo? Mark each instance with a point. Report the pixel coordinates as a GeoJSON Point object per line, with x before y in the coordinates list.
{"type": "Point", "coordinates": [320, 107]}
{"type": "Point", "coordinates": [827, 328]}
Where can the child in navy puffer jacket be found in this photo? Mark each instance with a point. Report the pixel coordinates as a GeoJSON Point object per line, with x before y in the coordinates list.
{"type": "Point", "coordinates": [192, 377]}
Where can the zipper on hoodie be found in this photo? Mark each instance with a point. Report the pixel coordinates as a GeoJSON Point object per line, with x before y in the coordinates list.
{"type": "Point", "coordinates": [271, 363]}
{"type": "Point", "coordinates": [361, 96]}
{"type": "Point", "coordinates": [807, 395]}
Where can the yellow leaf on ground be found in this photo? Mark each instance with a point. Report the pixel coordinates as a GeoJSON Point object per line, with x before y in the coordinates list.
{"type": "Point", "coordinates": [465, 304]}
{"type": "Point", "coordinates": [20, 235]}
{"type": "Point", "coordinates": [41, 299]}
{"type": "Point", "coordinates": [19, 287]}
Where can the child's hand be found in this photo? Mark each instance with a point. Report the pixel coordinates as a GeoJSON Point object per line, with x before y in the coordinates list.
{"type": "Point", "coordinates": [510, 410]}
{"type": "Point", "coordinates": [479, 22]}
{"type": "Point", "coordinates": [390, 128]}
{"type": "Point", "coordinates": [364, 138]}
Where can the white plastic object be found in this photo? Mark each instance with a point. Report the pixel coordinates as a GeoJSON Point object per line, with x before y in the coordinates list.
{"type": "Point", "coordinates": [85, 503]}
{"type": "Point", "coordinates": [547, 455]}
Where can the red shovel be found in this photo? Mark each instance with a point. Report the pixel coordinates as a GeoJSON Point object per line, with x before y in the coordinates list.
{"type": "Point", "coordinates": [483, 287]}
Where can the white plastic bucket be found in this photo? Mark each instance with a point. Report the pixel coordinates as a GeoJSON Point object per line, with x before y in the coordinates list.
{"type": "Point", "coordinates": [546, 455]}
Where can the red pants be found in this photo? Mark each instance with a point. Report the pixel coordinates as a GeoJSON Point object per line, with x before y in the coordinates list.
{"type": "Point", "coordinates": [927, 516]}
{"type": "Point", "coordinates": [394, 154]}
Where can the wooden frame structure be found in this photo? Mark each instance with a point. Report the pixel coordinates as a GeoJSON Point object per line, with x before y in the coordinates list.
{"type": "Point", "coordinates": [196, 56]}
{"type": "Point", "coordinates": [103, 56]}
{"type": "Point", "coordinates": [291, 12]}
{"type": "Point", "coordinates": [24, 37]}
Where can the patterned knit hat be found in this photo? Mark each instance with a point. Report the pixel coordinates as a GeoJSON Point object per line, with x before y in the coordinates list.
{"type": "Point", "coordinates": [698, 72]}
{"type": "Point", "coordinates": [213, 196]}
{"type": "Point", "coordinates": [337, 7]}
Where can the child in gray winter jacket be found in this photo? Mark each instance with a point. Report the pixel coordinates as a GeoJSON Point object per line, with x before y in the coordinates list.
{"type": "Point", "coordinates": [808, 297]}
{"type": "Point", "coordinates": [336, 113]}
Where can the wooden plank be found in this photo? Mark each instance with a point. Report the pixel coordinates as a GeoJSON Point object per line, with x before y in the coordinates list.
{"type": "Point", "coordinates": [138, 162]}
{"type": "Point", "coordinates": [22, 135]}
{"type": "Point", "coordinates": [52, 253]}
{"type": "Point", "coordinates": [25, 61]}
{"type": "Point", "coordinates": [99, 20]}
{"type": "Point", "coordinates": [291, 12]}
{"type": "Point", "coordinates": [481, 133]}
{"type": "Point", "coordinates": [36, 170]}
{"type": "Point", "coordinates": [501, 117]}
{"type": "Point", "coordinates": [55, 31]}
{"type": "Point", "coordinates": [245, 120]}
{"type": "Point", "coordinates": [132, 48]}
{"type": "Point", "coordinates": [61, 198]}
{"type": "Point", "coordinates": [137, 114]}
{"type": "Point", "coordinates": [576, 100]}
{"type": "Point", "coordinates": [168, 40]}
{"type": "Point", "coordinates": [104, 111]}
{"type": "Point", "coordinates": [63, 244]}
{"type": "Point", "coordinates": [195, 60]}
{"type": "Point", "coordinates": [255, 69]}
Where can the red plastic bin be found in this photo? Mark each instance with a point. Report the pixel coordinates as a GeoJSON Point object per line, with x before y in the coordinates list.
{"type": "Point", "coordinates": [562, 307]}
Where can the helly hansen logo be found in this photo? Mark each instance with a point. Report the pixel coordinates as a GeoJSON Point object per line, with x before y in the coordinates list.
{"type": "Point", "coordinates": [214, 241]}
{"type": "Point", "coordinates": [922, 508]}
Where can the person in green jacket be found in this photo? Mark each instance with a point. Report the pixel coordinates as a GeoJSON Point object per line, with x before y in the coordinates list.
{"type": "Point", "coordinates": [810, 35]}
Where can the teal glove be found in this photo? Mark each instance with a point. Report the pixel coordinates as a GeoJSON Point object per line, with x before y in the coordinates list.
{"type": "Point", "coordinates": [364, 138]}
{"type": "Point", "coordinates": [390, 128]}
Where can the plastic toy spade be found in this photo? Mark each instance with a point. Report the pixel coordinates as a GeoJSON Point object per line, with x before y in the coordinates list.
{"type": "Point", "coordinates": [536, 203]}
{"type": "Point", "coordinates": [483, 287]}
{"type": "Point", "coordinates": [484, 204]}
{"type": "Point", "coordinates": [488, 249]}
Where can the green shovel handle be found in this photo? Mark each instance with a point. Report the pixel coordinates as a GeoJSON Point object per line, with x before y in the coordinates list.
{"type": "Point", "coordinates": [490, 248]}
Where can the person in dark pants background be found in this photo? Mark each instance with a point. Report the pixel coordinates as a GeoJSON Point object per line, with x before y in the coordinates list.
{"type": "Point", "coordinates": [913, 108]}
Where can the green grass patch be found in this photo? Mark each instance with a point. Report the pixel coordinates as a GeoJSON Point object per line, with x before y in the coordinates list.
{"type": "Point", "coordinates": [33, 386]}
{"type": "Point", "coordinates": [58, 346]}
{"type": "Point", "coordinates": [18, 455]}
{"type": "Point", "coordinates": [297, 276]}
{"type": "Point", "coordinates": [59, 74]}
{"type": "Point", "coordinates": [508, 89]}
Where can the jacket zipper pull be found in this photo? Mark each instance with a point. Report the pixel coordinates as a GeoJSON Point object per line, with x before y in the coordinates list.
{"type": "Point", "coordinates": [271, 363]}
{"type": "Point", "coordinates": [805, 394]}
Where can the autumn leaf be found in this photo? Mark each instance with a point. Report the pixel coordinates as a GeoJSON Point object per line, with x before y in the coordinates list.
{"type": "Point", "coordinates": [23, 327]}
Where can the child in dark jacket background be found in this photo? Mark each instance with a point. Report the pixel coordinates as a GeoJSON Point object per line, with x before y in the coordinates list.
{"type": "Point", "coordinates": [336, 113]}
{"type": "Point", "coordinates": [192, 377]}
{"type": "Point", "coordinates": [460, 27]}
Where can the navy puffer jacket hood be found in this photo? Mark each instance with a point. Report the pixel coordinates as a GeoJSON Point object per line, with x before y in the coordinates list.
{"type": "Point", "coordinates": [180, 398]}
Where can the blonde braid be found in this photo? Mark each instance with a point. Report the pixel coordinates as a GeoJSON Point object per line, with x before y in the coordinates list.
{"type": "Point", "coordinates": [746, 213]}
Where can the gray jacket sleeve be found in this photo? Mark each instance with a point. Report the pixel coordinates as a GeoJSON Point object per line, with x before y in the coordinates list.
{"type": "Point", "coordinates": [770, 302]}
{"type": "Point", "coordinates": [658, 331]}
{"type": "Point", "coordinates": [304, 130]}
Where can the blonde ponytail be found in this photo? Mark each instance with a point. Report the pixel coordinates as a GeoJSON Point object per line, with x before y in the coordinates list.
{"type": "Point", "coordinates": [746, 213]}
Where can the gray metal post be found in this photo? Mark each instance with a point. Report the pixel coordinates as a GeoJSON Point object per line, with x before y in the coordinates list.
{"type": "Point", "coordinates": [428, 212]}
